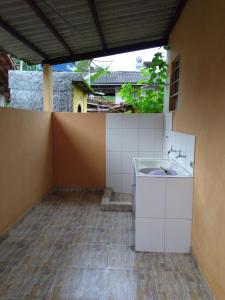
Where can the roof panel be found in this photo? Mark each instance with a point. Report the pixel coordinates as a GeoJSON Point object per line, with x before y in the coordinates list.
{"type": "Point", "coordinates": [83, 28]}
{"type": "Point", "coordinates": [118, 77]}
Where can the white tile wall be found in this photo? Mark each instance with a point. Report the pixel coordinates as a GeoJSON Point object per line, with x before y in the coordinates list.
{"type": "Point", "coordinates": [179, 141]}
{"type": "Point", "coordinates": [129, 139]}
{"type": "Point", "coordinates": [113, 140]}
{"type": "Point", "coordinates": [129, 136]}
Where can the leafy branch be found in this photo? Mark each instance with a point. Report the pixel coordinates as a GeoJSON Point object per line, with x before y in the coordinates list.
{"type": "Point", "coordinates": [148, 98]}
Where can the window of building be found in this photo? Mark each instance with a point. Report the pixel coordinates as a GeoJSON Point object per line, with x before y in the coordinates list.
{"type": "Point", "coordinates": [174, 84]}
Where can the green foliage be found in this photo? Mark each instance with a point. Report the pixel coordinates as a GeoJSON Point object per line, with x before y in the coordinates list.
{"type": "Point", "coordinates": [24, 66]}
{"type": "Point", "coordinates": [97, 74]}
{"type": "Point", "coordinates": [89, 67]}
{"type": "Point", "coordinates": [149, 97]}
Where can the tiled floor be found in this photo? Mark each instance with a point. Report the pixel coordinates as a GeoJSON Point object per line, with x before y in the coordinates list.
{"type": "Point", "coordinates": [122, 197]}
{"type": "Point", "coordinates": [66, 248]}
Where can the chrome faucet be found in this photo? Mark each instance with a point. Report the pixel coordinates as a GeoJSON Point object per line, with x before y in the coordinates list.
{"type": "Point", "coordinates": [172, 150]}
{"type": "Point", "coordinates": [180, 155]}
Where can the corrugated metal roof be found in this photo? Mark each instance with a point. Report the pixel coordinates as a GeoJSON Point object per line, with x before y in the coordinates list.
{"type": "Point", "coordinates": [118, 77]}
{"type": "Point", "coordinates": [88, 28]}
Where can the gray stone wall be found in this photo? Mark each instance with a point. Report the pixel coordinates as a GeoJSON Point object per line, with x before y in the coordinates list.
{"type": "Point", "coordinates": [26, 90]}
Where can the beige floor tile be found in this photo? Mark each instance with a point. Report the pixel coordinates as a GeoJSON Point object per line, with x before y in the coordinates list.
{"type": "Point", "coordinates": [66, 248]}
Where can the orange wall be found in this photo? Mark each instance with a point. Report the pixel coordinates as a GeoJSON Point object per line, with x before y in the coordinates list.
{"type": "Point", "coordinates": [25, 162]}
{"type": "Point", "coordinates": [79, 149]}
{"type": "Point", "coordinates": [199, 38]}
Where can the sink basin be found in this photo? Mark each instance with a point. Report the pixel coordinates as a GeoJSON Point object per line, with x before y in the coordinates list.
{"type": "Point", "coordinates": [158, 172]}
{"type": "Point", "coordinates": [159, 167]}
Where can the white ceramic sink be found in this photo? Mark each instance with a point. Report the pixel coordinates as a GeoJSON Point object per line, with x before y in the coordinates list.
{"type": "Point", "coordinates": [158, 171]}
{"type": "Point", "coordinates": [159, 167]}
{"type": "Point", "coordinates": [162, 206]}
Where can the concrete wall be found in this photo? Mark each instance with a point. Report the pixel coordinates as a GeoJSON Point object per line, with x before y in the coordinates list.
{"type": "Point", "coordinates": [199, 40]}
{"type": "Point", "coordinates": [26, 90]}
{"type": "Point", "coordinates": [26, 167]}
{"type": "Point", "coordinates": [79, 150]}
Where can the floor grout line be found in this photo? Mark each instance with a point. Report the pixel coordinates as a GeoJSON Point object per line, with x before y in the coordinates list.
{"type": "Point", "coordinates": [102, 252]}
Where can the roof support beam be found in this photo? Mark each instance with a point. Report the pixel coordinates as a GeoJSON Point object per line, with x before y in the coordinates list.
{"type": "Point", "coordinates": [21, 38]}
{"type": "Point", "coordinates": [112, 51]}
{"type": "Point", "coordinates": [178, 11]}
{"type": "Point", "coordinates": [97, 22]}
{"type": "Point", "coordinates": [48, 88]}
{"type": "Point", "coordinates": [48, 23]}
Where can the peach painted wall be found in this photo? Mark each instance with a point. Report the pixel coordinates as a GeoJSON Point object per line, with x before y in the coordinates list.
{"type": "Point", "coordinates": [199, 39]}
{"type": "Point", "coordinates": [26, 172]}
{"type": "Point", "coordinates": [79, 149]}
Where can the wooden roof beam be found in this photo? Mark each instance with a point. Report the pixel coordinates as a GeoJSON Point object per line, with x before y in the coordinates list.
{"type": "Point", "coordinates": [110, 51]}
{"type": "Point", "coordinates": [21, 38]}
{"type": "Point", "coordinates": [180, 6]}
{"type": "Point", "coordinates": [33, 5]}
{"type": "Point", "coordinates": [97, 22]}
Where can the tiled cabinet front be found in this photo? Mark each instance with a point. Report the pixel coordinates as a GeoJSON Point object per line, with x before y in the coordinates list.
{"type": "Point", "coordinates": [163, 214]}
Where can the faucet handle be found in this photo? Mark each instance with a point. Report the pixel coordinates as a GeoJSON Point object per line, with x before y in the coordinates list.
{"type": "Point", "coordinates": [181, 155]}
{"type": "Point", "coordinates": [172, 150]}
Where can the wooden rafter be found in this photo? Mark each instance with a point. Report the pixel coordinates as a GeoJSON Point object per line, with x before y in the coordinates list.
{"type": "Point", "coordinates": [178, 11]}
{"type": "Point", "coordinates": [49, 25]}
{"type": "Point", "coordinates": [21, 38]}
{"type": "Point", "coordinates": [97, 22]}
{"type": "Point", "coordinates": [111, 51]}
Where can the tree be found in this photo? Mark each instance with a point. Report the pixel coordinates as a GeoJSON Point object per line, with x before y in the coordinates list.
{"type": "Point", "coordinates": [89, 68]}
{"type": "Point", "coordinates": [148, 98]}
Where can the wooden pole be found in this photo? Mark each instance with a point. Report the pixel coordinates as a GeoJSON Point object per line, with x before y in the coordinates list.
{"type": "Point", "coordinates": [47, 88]}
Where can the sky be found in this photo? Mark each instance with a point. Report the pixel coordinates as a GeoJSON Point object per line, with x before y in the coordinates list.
{"type": "Point", "coordinates": [127, 61]}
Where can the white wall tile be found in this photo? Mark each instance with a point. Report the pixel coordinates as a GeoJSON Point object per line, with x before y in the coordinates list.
{"type": "Point", "coordinates": [177, 236]}
{"type": "Point", "coordinates": [127, 181]}
{"type": "Point", "coordinates": [183, 142]}
{"type": "Point", "coordinates": [168, 121]}
{"type": "Point", "coordinates": [114, 120]}
{"type": "Point", "coordinates": [114, 162]}
{"type": "Point", "coordinates": [129, 139]}
{"type": "Point", "coordinates": [130, 135]}
{"type": "Point", "coordinates": [179, 194]}
{"type": "Point", "coordinates": [146, 121]}
{"type": "Point", "coordinates": [151, 195]}
{"type": "Point", "coordinates": [158, 120]}
{"type": "Point", "coordinates": [158, 140]}
{"type": "Point", "coordinates": [130, 121]}
{"type": "Point", "coordinates": [127, 161]}
{"type": "Point", "coordinates": [146, 154]}
{"type": "Point", "coordinates": [190, 145]}
{"type": "Point", "coordinates": [146, 140]}
{"type": "Point", "coordinates": [158, 154]}
{"type": "Point", "coordinates": [149, 235]}
{"type": "Point", "coordinates": [114, 139]}
{"type": "Point", "coordinates": [115, 182]}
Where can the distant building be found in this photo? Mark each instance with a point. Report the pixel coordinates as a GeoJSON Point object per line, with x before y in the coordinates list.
{"type": "Point", "coordinates": [70, 91]}
{"type": "Point", "coordinates": [110, 84]}
{"type": "Point", "coordinates": [80, 96]}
